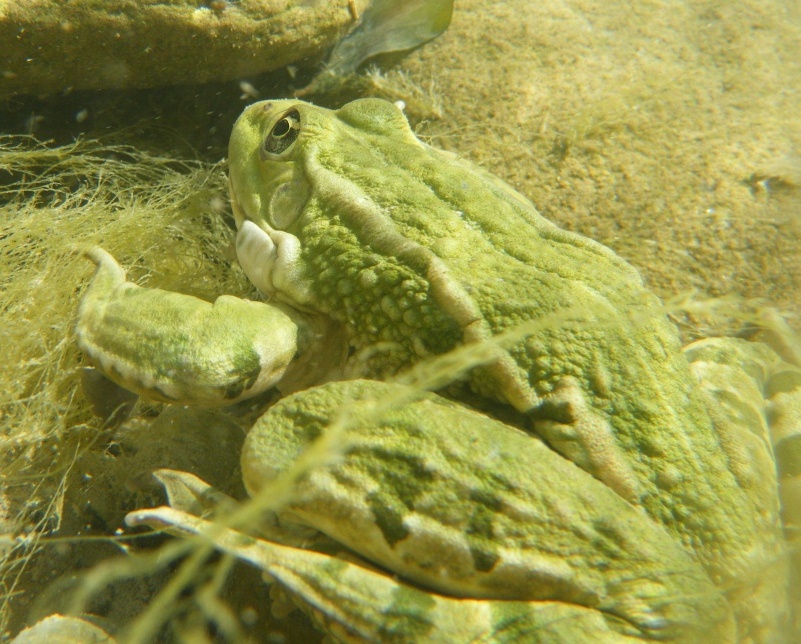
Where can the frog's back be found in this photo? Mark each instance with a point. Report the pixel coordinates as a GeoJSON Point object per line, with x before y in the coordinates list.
{"type": "Point", "coordinates": [600, 374]}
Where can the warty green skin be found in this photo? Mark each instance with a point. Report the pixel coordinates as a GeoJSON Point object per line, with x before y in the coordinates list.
{"type": "Point", "coordinates": [463, 504]}
{"type": "Point", "coordinates": [411, 252]}
{"type": "Point", "coordinates": [376, 212]}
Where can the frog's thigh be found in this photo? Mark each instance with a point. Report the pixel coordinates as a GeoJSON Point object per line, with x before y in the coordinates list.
{"type": "Point", "coordinates": [732, 374]}
{"type": "Point", "coordinates": [754, 400]}
{"type": "Point", "coordinates": [465, 505]}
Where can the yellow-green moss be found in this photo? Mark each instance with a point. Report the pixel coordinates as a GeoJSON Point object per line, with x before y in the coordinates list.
{"type": "Point", "coordinates": [163, 216]}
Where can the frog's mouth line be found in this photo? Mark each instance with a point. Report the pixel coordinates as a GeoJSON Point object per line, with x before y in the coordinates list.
{"type": "Point", "coordinates": [236, 208]}
{"type": "Point", "coordinates": [270, 258]}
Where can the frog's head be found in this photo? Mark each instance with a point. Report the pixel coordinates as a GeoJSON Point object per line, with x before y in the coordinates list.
{"type": "Point", "coordinates": [322, 201]}
{"type": "Point", "coordinates": [272, 140]}
{"type": "Point", "coordinates": [290, 163]}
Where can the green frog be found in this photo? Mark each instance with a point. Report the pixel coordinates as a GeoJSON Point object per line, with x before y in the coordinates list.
{"type": "Point", "coordinates": [572, 476]}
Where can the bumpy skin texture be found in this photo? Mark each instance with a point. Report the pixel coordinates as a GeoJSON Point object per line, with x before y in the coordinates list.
{"type": "Point", "coordinates": [482, 511]}
{"type": "Point", "coordinates": [377, 214]}
{"type": "Point", "coordinates": [628, 508]}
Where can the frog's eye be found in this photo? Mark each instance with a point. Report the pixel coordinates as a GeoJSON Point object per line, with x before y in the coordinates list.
{"type": "Point", "coordinates": [283, 134]}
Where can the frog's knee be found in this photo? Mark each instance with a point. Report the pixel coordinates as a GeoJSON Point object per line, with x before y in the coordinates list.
{"type": "Point", "coordinates": [784, 414]}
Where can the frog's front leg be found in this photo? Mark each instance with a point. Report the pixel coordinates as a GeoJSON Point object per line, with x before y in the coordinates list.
{"type": "Point", "coordinates": [178, 348]}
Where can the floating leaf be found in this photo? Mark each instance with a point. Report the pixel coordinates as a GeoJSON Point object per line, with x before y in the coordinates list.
{"type": "Point", "coordinates": [387, 26]}
{"type": "Point", "coordinates": [390, 26]}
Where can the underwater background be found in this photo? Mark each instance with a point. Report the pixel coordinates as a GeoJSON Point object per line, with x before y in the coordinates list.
{"type": "Point", "coordinates": [669, 131]}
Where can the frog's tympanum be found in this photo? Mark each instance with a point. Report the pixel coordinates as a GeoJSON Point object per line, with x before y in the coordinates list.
{"type": "Point", "coordinates": [583, 480]}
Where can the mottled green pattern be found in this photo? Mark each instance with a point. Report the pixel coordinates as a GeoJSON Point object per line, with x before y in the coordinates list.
{"type": "Point", "coordinates": [471, 507]}
{"type": "Point", "coordinates": [377, 214]}
{"type": "Point", "coordinates": [641, 499]}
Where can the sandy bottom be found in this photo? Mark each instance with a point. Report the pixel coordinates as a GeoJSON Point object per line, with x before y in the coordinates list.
{"type": "Point", "coordinates": [667, 131]}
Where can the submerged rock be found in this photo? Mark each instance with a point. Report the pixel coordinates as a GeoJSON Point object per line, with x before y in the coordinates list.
{"type": "Point", "coordinates": [48, 47]}
{"type": "Point", "coordinates": [66, 630]}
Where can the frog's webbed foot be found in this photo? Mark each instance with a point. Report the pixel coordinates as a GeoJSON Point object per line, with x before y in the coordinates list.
{"type": "Point", "coordinates": [187, 493]}
{"type": "Point", "coordinates": [177, 348]}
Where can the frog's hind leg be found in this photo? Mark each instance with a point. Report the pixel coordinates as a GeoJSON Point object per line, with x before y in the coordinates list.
{"type": "Point", "coordinates": [352, 603]}
{"type": "Point", "coordinates": [461, 504]}
{"type": "Point", "coordinates": [754, 401]}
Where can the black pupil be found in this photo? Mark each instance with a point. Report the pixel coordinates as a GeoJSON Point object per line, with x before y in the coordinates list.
{"type": "Point", "coordinates": [284, 133]}
{"type": "Point", "coordinates": [281, 128]}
